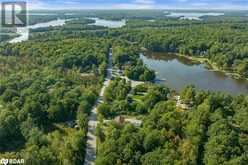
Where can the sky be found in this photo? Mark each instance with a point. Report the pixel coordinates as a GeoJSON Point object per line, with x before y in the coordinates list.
{"type": "Point", "coordinates": [137, 4]}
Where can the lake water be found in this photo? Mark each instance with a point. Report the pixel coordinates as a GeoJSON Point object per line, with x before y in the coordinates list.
{"type": "Point", "coordinates": [192, 15]}
{"type": "Point", "coordinates": [178, 72]}
{"type": "Point", "coordinates": [108, 23]}
{"type": "Point", "coordinates": [24, 31]}
{"type": "Point", "coordinates": [40, 14]}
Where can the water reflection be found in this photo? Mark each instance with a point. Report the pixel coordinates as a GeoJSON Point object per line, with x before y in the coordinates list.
{"type": "Point", "coordinates": [179, 72]}
{"type": "Point", "coordinates": [23, 32]}
{"type": "Point", "coordinates": [192, 15]}
{"type": "Point", "coordinates": [170, 57]}
{"type": "Point", "coordinates": [108, 23]}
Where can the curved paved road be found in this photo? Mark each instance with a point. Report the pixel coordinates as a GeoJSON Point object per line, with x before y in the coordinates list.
{"type": "Point", "coordinates": [90, 156]}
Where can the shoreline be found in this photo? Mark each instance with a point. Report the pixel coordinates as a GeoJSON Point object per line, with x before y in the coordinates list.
{"type": "Point", "coordinates": [210, 66]}
{"type": "Point", "coordinates": [213, 67]}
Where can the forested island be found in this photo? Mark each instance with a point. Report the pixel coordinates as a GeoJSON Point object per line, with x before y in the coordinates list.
{"type": "Point", "coordinates": [50, 84]}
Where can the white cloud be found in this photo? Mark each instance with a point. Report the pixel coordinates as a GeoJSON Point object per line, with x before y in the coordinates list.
{"type": "Point", "coordinates": [36, 4]}
{"type": "Point", "coordinates": [136, 4]}
{"type": "Point", "coordinates": [148, 2]}
{"type": "Point", "coordinates": [200, 4]}
{"type": "Point", "coordinates": [131, 6]}
{"type": "Point", "coordinates": [55, 4]}
{"type": "Point", "coordinates": [71, 2]}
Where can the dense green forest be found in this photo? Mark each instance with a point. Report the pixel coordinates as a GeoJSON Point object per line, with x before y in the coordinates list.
{"type": "Point", "coordinates": [220, 40]}
{"type": "Point", "coordinates": [212, 131]}
{"type": "Point", "coordinates": [223, 44]}
{"type": "Point", "coordinates": [72, 25]}
{"type": "Point", "coordinates": [126, 57]}
{"type": "Point", "coordinates": [50, 83]}
{"type": "Point", "coordinates": [46, 89]}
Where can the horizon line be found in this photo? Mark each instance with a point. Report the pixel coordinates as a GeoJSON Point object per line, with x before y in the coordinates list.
{"type": "Point", "coordinates": [207, 9]}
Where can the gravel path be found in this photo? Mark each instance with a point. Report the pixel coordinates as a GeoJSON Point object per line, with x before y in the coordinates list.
{"type": "Point", "coordinates": [90, 156]}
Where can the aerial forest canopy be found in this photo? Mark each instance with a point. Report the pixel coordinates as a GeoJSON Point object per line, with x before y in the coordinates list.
{"type": "Point", "coordinates": [212, 131]}
{"type": "Point", "coordinates": [224, 44]}
{"type": "Point", "coordinates": [44, 86]}
{"type": "Point", "coordinates": [51, 83]}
